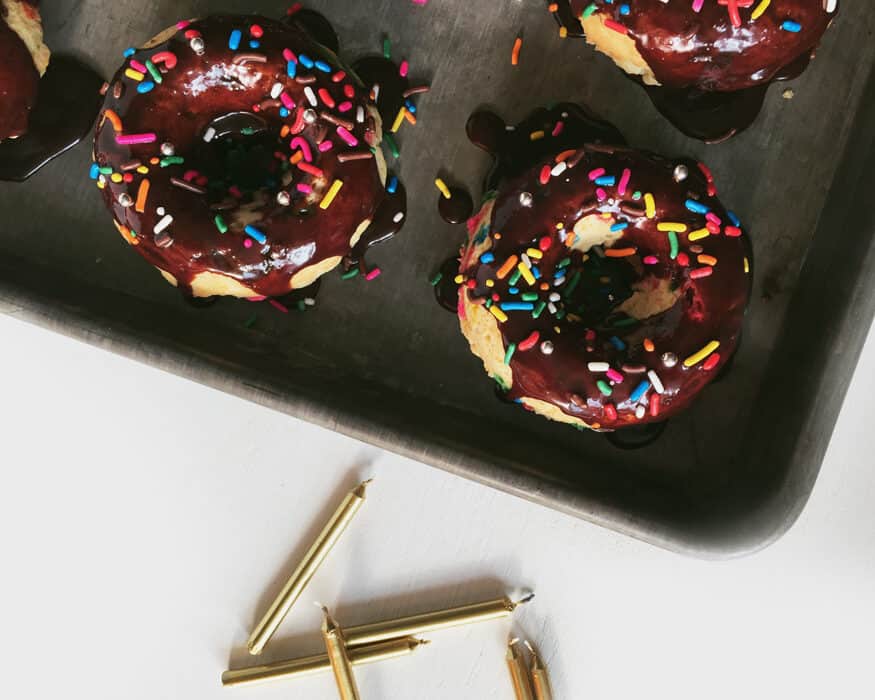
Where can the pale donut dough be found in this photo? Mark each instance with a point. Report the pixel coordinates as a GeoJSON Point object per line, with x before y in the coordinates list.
{"type": "Point", "coordinates": [24, 20]}
{"type": "Point", "coordinates": [619, 47]}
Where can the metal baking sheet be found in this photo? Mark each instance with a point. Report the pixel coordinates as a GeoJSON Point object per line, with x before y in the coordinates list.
{"type": "Point", "coordinates": [381, 362]}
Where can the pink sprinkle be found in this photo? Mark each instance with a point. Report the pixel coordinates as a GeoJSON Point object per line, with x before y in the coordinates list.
{"type": "Point", "coordinates": [190, 175]}
{"type": "Point", "coordinates": [289, 56]}
{"type": "Point", "coordinates": [203, 181]}
{"type": "Point", "coordinates": [287, 101]}
{"type": "Point", "coordinates": [712, 227]}
{"type": "Point", "coordinates": [136, 65]}
{"type": "Point", "coordinates": [614, 375]}
{"type": "Point", "coordinates": [247, 243]}
{"type": "Point", "coordinates": [600, 194]}
{"type": "Point", "coordinates": [558, 128]}
{"type": "Point", "coordinates": [700, 272]}
{"type": "Point", "coordinates": [275, 304]}
{"type": "Point", "coordinates": [182, 24]}
{"type": "Point", "coordinates": [235, 191]}
{"type": "Point", "coordinates": [404, 68]}
{"type": "Point", "coordinates": [598, 172]}
{"type": "Point", "coordinates": [256, 298]}
{"type": "Point", "coordinates": [713, 218]}
{"type": "Point", "coordinates": [624, 181]}
{"type": "Point", "coordinates": [344, 106]}
{"type": "Point", "coordinates": [326, 145]}
{"type": "Point", "coordinates": [131, 139]}
{"type": "Point", "coordinates": [301, 142]}
{"type": "Point", "coordinates": [346, 136]}
{"type": "Point", "coordinates": [306, 189]}
{"type": "Point", "coordinates": [697, 5]}
{"type": "Point", "coordinates": [650, 260]}
{"type": "Point", "coordinates": [373, 274]}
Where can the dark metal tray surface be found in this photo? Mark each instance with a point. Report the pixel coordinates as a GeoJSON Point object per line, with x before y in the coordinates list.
{"type": "Point", "coordinates": [382, 362]}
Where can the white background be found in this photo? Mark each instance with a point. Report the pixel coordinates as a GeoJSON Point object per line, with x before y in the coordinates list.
{"type": "Point", "coordinates": [146, 521]}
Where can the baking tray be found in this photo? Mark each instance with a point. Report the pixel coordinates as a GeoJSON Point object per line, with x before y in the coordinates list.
{"type": "Point", "coordinates": [380, 361]}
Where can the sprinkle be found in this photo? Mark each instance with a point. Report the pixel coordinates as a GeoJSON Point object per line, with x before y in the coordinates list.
{"type": "Point", "coordinates": [648, 345]}
{"type": "Point", "coordinates": [134, 74]}
{"type": "Point", "coordinates": [255, 234]}
{"type": "Point", "coordinates": [511, 348]}
{"type": "Point", "coordinates": [142, 196]}
{"type": "Point", "coordinates": [94, 171]}
{"type": "Point", "coordinates": [209, 134]}
{"type": "Point", "coordinates": [711, 362]}
{"type": "Point", "coordinates": [393, 147]}
{"type": "Point", "coordinates": [696, 207]}
{"type": "Point", "coordinates": [537, 135]}
{"type": "Point", "coordinates": [113, 119]}
{"type": "Point", "coordinates": [171, 160]}
{"type": "Point", "coordinates": [128, 235]}
{"type": "Point", "coordinates": [673, 245]}
{"type": "Point", "coordinates": [654, 405]}
{"type": "Point", "coordinates": [620, 252]}
{"type": "Point", "coordinates": [595, 174]}
{"type": "Point", "coordinates": [373, 274]}
{"type": "Point", "coordinates": [610, 411]}
{"type": "Point", "coordinates": [732, 231]}
{"type": "Point", "coordinates": [604, 387]}
{"type": "Point", "coordinates": [145, 86]}
{"type": "Point", "coordinates": [639, 391]}
{"type": "Point", "coordinates": [349, 274]}
{"type": "Point", "coordinates": [517, 306]}
{"type": "Point", "coordinates": [132, 139]}
{"type": "Point", "coordinates": [220, 224]}
{"type": "Point", "coordinates": [498, 313]}
{"type": "Point", "coordinates": [650, 205]}
{"type": "Point", "coordinates": [598, 366]}
{"type": "Point", "coordinates": [322, 66]}
{"type": "Point", "coordinates": [698, 234]}
{"type": "Point", "coordinates": [442, 186]}
{"type": "Point", "coordinates": [306, 61]}
{"type": "Point", "coordinates": [701, 272]}
{"type": "Point", "coordinates": [331, 194]}
{"type": "Point", "coordinates": [616, 26]}
{"type": "Point", "coordinates": [534, 253]}
{"type": "Point", "coordinates": [163, 224]}
{"type": "Point", "coordinates": [658, 386]}
{"type": "Point", "coordinates": [347, 136]}
{"type": "Point", "coordinates": [515, 53]}
{"type": "Point", "coordinates": [529, 342]}
{"type": "Point", "coordinates": [508, 265]}
{"type": "Point", "coordinates": [746, 265]}
{"type": "Point", "coordinates": [387, 48]}
{"type": "Point", "coordinates": [624, 181]}
{"type": "Point", "coordinates": [617, 343]}
{"type": "Point", "coordinates": [707, 259]}
{"type": "Point", "coordinates": [791, 26]}
{"type": "Point", "coordinates": [671, 226]}
{"type": "Point", "coordinates": [614, 375]}
{"type": "Point", "coordinates": [526, 272]}
{"type": "Point", "coordinates": [234, 40]}
{"type": "Point", "coordinates": [697, 357]}
{"type": "Point", "coordinates": [167, 58]}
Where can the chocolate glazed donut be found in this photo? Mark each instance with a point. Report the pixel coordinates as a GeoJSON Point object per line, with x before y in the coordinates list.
{"type": "Point", "coordinates": [240, 157]}
{"type": "Point", "coordinates": [706, 64]}
{"type": "Point", "coordinates": [23, 59]}
{"type": "Point", "coordinates": [602, 286]}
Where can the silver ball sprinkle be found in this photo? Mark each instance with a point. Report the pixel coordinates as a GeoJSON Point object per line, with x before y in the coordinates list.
{"type": "Point", "coordinates": [526, 199]}
{"type": "Point", "coordinates": [283, 198]}
{"type": "Point", "coordinates": [669, 359]}
{"type": "Point", "coordinates": [167, 149]}
{"type": "Point", "coordinates": [125, 199]}
{"type": "Point", "coordinates": [681, 173]}
{"type": "Point", "coordinates": [547, 347]}
{"type": "Point", "coordinates": [198, 45]}
{"type": "Point", "coordinates": [310, 115]}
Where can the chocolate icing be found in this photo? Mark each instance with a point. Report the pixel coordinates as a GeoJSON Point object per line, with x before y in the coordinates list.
{"type": "Point", "coordinates": [458, 208]}
{"type": "Point", "coordinates": [705, 309]}
{"type": "Point", "coordinates": [715, 87]}
{"type": "Point", "coordinates": [230, 91]}
{"type": "Point", "coordinates": [18, 81]}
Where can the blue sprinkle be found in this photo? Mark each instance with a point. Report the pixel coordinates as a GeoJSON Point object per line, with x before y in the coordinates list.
{"type": "Point", "coordinates": [254, 43]}
{"type": "Point", "coordinates": [536, 273]}
{"type": "Point", "coordinates": [410, 106]}
{"type": "Point", "coordinates": [617, 343]}
{"type": "Point", "coordinates": [291, 69]}
{"type": "Point", "coordinates": [393, 185]}
{"type": "Point", "coordinates": [791, 26]}
{"type": "Point", "coordinates": [516, 306]}
{"type": "Point", "coordinates": [559, 273]}
{"type": "Point", "coordinates": [639, 391]}
{"type": "Point", "coordinates": [696, 207]}
{"type": "Point", "coordinates": [145, 86]}
{"type": "Point", "coordinates": [94, 171]}
{"type": "Point", "coordinates": [323, 66]}
{"type": "Point", "coordinates": [624, 9]}
{"type": "Point", "coordinates": [606, 181]}
{"type": "Point", "coordinates": [306, 61]}
{"type": "Point", "coordinates": [620, 225]}
{"type": "Point", "coordinates": [513, 290]}
{"type": "Point", "coordinates": [487, 258]}
{"type": "Point", "coordinates": [284, 112]}
{"type": "Point", "coordinates": [733, 218]}
{"type": "Point", "coordinates": [130, 52]}
{"type": "Point", "coordinates": [234, 40]}
{"type": "Point", "coordinates": [254, 233]}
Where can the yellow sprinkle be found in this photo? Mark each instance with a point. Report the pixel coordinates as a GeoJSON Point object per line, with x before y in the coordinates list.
{"type": "Point", "coordinates": [134, 74]}
{"type": "Point", "coordinates": [762, 7]}
{"type": "Point", "coordinates": [498, 313]}
{"type": "Point", "coordinates": [649, 205]}
{"type": "Point", "coordinates": [458, 279]}
{"type": "Point", "coordinates": [490, 283]}
{"type": "Point", "coordinates": [536, 135]}
{"type": "Point", "coordinates": [331, 194]}
{"type": "Point", "coordinates": [398, 120]}
{"type": "Point", "coordinates": [557, 329]}
{"type": "Point", "coordinates": [116, 177]}
{"type": "Point", "coordinates": [563, 32]}
{"type": "Point", "coordinates": [142, 170]}
{"type": "Point", "coordinates": [698, 234]}
{"type": "Point", "coordinates": [101, 184]}
{"type": "Point", "coordinates": [535, 253]}
{"type": "Point", "coordinates": [442, 186]}
{"type": "Point", "coordinates": [526, 273]}
{"type": "Point", "coordinates": [697, 357]}
{"type": "Point", "coordinates": [746, 265]}
{"type": "Point", "coordinates": [560, 226]}
{"type": "Point", "coordinates": [671, 226]}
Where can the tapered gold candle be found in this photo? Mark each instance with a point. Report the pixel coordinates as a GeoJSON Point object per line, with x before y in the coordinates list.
{"type": "Point", "coordinates": [519, 675]}
{"type": "Point", "coordinates": [335, 645]}
{"type": "Point", "coordinates": [540, 680]}
{"type": "Point", "coordinates": [431, 621]}
{"type": "Point", "coordinates": [319, 663]}
{"type": "Point", "coordinates": [308, 566]}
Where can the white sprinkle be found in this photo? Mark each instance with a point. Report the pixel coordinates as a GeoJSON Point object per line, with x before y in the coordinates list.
{"type": "Point", "coordinates": [163, 224]}
{"type": "Point", "coordinates": [311, 96]}
{"type": "Point", "coordinates": [526, 259]}
{"type": "Point", "coordinates": [656, 381]}
{"type": "Point", "coordinates": [310, 301]}
{"type": "Point", "coordinates": [598, 366]}
{"type": "Point", "coordinates": [830, 5]}
{"type": "Point", "coordinates": [360, 114]}
{"type": "Point", "coordinates": [554, 296]}
{"type": "Point", "coordinates": [276, 90]}
{"type": "Point", "coordinates": [398, 217]}
{"type": "Point", "coordinates": [160, 211]}
{"type": "Point", "coordinates": [209, 134]}
{"type": "Point", "coordinates": [639, 411]}
{"type": "Point", "coordinates": [552, 307]}
{"type": "Point", "coordinates": [559, 168]}
{"type": "Point", "coordinates": [526, 199]}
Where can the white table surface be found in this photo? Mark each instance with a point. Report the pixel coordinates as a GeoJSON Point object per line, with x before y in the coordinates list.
{"type": "Point", "coordinates": [145, 521]}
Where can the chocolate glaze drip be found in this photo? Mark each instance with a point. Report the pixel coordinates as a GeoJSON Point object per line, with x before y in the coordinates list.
{"type": "Point", "coordinates": [18, 81]}
{"type": "Point", "coordinates": [593, 323]}
{"type": "Point", "coordinates": [715, 87]}
{"type": "Point", "coordinates": [377, 70]}
{"type": "Point", "coordinates": [446, 291]}
{"type": "Point", "coordinates": [316, 25]}
{"type": "Point", "coordinates": [388, 220]}
{"type": "Point", "coordinates": [242, 174]}
{"type": "Point", "coordinates": [66, 107]}
{"type": "Point", "coordinates": [458, 208]}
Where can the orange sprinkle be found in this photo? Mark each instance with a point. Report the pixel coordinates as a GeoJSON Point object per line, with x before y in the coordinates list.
{"type": "Point", "coordinates": [707, 260]}
{"type": "Point", "coordinates": [142, 195]}
{"type": "Point", "coordinates": [410, 116]}
{"type": "Point", "coordinates": [563, 32]}
{"type": "Point", "coordinates": [496, 236]}
{"type": "Point", "coordinates": [544, 286]}
{"type": "Point", "coordinates": [565, 155]}
{"type": "Point", "coordinates": [114, 119]}
{"type": "Point", "coordinates": [296, 157]}
{"type": "Point", "coordinates": [505, 269]}
{"type": "Point", "coordinates": [648, 345]}
{"type": "Point", "coordinates": [515, 54]}
{"type": "Point", "coordinates": [620, 252]}
{"type": "Point", "coordinates": [553, 7]}
{"type": "Point", "coordinates": [127, 235]}
{"type": "Point", "coordinates": [154, 161]}
{"type": "Point", "coordinates": [285, 131]}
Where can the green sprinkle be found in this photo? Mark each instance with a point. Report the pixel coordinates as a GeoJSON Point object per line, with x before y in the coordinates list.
{"type": "Point", "coordinates": [560, 314]}
{"type": "Point", "coordinates": [387, 48]}
{"type": "Point", "coordinates": [510, 351]}
{"type": "Point", "coordinates": [488, 303]}
{"type": "Point", "coordinates": [539, 308]}
{"type": "Point", "coordinates": [247, 131]}
{"type": "Point", "coordinates": [220, 224]}
{"type": "Point", "coordinates": [628, 321]}
{"type": "Point", "coordinates": [514, 278]}
{"type": "Point", "coordinates": [437, 278]}
{"type": "Point", "coordinates": [604, 388]}
{"type": "Point", "coordinates": [172, 160]}
{"type": "Point", "coordinates": [673, 242]}
{"type": "Point", "coordinates": [154, 72]}
{"type": "Point", "coordinates": [572, 284]}
{"type": "Point", "coordinates": [249, 322]}
{"type": "Point", "coordinates": [390, 142]}
{"type": "Point", "coordinates": [636, 195]}
{"type": "Point", "coordinates": [105, 170]}
{"type": "Point", "coordinates": [529, 296]}
{"type": "Point", "coordinates": [565, 262]}
{"type": "Point", "coordinates": [500, 383]}
{"type": "Point", "coordinates": [588, 11]}
{"type": "Point", "coordinates": [349, 274]}
{"type": "Point", "coordinates": [302, 306]}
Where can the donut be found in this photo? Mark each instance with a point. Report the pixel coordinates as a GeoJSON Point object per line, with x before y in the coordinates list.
{"type": "Point", "coordinates": [601, 286]}
{"type": "Point", "coordinates": [704, 46]}
{"type": "Point", "coordinates": [240, 157]}
{"type": "Point", "coordinates": [23, 60]}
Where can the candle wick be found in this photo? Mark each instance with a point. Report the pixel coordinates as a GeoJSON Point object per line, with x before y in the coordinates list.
{"type": "Point", "coordinates": [525, 599]}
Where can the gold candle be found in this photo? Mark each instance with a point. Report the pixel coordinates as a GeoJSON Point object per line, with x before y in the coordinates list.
{"type": "Point", "coordinates": [540, 680]}
{"type": "Point", "coordinates": [431, 621]}
{"type": "Point", "coordinates": [519, 675]}
{"type": "Point", "coordinates": [335, 645]}
{"type": "Point", "coordinates": [319, 663]}
{"type": "Point", "coordinates": [308, 566]}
